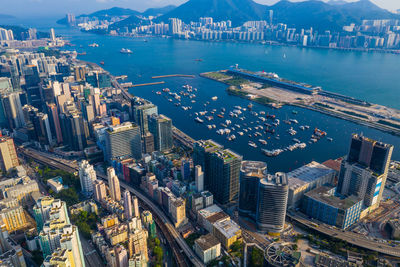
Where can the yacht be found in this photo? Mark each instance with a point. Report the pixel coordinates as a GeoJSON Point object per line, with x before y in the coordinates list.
{"type": "Point", "coordinates": [252, 144]}
{"type": "Point", "coordinates": [125, 51]}
{"type": "Point", "coordinates": [197, 119]}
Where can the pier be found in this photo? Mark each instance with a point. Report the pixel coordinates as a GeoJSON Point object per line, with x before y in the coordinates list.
{"type": "Point", "coordinates": [145, 84]}
{"type": "Point", "coordinates": [173, 75]}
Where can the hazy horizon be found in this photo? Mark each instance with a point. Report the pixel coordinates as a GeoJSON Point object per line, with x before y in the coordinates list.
{"type": "Point", "coordinates": [52, 8]}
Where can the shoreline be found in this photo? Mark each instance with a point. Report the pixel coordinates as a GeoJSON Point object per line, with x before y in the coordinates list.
{"type": "Point", "coordinates": [269, 103]}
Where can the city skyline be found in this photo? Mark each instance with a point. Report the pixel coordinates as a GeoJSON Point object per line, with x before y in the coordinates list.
{"type": "Point", "coordinates": [49, 8]}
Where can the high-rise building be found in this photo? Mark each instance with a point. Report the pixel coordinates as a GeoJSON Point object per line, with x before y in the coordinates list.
{"type": "Point", "coordinates": [271, 203]}
{"type": "Point", "coordinates": [11, 253]}
{"type": "Point", "coordinates": [60, 257]}
{"type": "Point", "coordinates": [201, 155]}
{"type": "Point", "coordinates": [13, 110]}
{"type": "Point", "coordinates": [185, 169]}
{"type": "Point", "coordinates": [251, 172]}
{"type": "Point", "coordinates": [52, 34]}
{"type": "Point", "coordinates": [199, 178]}
{"type": "Point", "coordinates": [223, 178]}
{"type": "Point", "coordinates": [113, 183]}
{"type": "Point", "coordinates": [127, 205]}
{"type": "Point", "coordinates": [135, 206]}
{"type": "Point", "coordinates": [80, 72]}
{"type": "Point", "coordinates": [148, 143]}
{"type": "Point", "coordinates": [74, 128]}
{"type": "Point", "coordinates": [54, 119]}
{"type": "Point", "coordinates": [87, 176]}
{"type": "Point", "coordinates": [365, 170]}
{"type": "Point", "coordinates": [100, 192]}
{"type": "Point", "coordinates": [48, 208]}
{"type": "Point", "coordinates": [32, 87]}
{"type": "Point", "coordinates": [175, 26]}
{"type": "Point", "coordinates": [8, 154]}
{"type": "Point", "coordinates": [141, 110]}
{"type": "Point", "coordinates": [137, 243]}
{"type": "Point", "coordinates": [123, 141]}
{"type": "Point", "coordinates": [13, 217]}
{"type": "Point", "coordinates": [161, 128]}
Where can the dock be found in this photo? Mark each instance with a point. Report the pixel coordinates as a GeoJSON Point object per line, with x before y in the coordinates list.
{"type": "Point", "coordinates": [143, 84]}
{"type": "Point", "coordinates": [173, 75]}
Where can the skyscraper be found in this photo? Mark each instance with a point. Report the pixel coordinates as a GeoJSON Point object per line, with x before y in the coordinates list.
{"type": "Point", "coordinates": [365, 170]}
{"type": "Point", "coordinates": [100, 192]}
{"type": "Point", "coordinates": [13, 110]}
{"type": "Point", "coordinates": [52, 34]}
{"type": "Point", "coordinates": [199, 178]}
{"type": "Point", "coordinates": [271, 203]}
{"type": "Point", "coordinates": [87, 176]}
{"type": "Point", "coordinates": [251, 172]}
{"type": "Point", "coordinates": [127, 205]}
{"type": "Point", "coordinates": [113, 183]}
{"type": "Point", "coordinates": [201, 155]}
{"type": "Point", "coordinates": [141, 110]}
{"type": "Point", "coordinates": [123, 141]}
{"type": "Point", "coordinates": [135, 206]}
{"type": "Point", "coordinates": [54, 119]}
{"type": "Point", "coordinates": [8, 154]}
{"type": "Point", "coordinates": [32, 87]}
{"type": "Point", "coordinates": [161, 128]}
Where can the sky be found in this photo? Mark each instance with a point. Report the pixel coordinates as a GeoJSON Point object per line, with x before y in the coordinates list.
{"type": "Point", "coordinates": [53, 8]}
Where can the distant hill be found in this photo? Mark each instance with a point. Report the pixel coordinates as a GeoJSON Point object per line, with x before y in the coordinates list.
{"type": "Point", "coordinates": [322, 16]}
{"type": "Point", "coordinates": [238, 11]}
{"type": "Point", "coordinates": [158, 11]}
{"type": "Point", "coordinates": [337, 2]}
{"type": "Point", "coordinates": [5, 16]}
{"type": "Point", "coordinates": [130, 22]}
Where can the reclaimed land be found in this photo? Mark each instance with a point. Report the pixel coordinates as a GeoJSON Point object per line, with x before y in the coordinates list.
{"type": "Point", "coordinates": [275, 97]}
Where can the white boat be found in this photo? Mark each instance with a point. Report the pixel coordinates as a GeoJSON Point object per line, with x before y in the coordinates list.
{"type": "Point", "coordinates": [262, 141]}
{"type": "Point", "coordinates": [93, 45]}
{"type": "Point", "coordinates": [209, 127]}
{"type": "Point", "coordinates": [301, 127]}
{"type": "Point", "coordinates": [214, 98]}
{"type": "Point", "coordinates": [272, 153]}
{"type": "Point", "coordinates": [240, 133]}
{"type": "Point", "coordinates": [293, 121]}
{"type": "Point", "coordinates": [252, 144]}
{"type": "Point", "coordinates": [125, 51]}
{"type": "Point", "coordinates": [330, 139]}
{"type": "Point", "coordinates": [197, 119]}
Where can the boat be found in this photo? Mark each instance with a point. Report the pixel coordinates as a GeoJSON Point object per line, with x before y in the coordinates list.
{"type": "Point", "coordinates": [272, 153]}
{"type": "Point", "coordinates": [198, 59]}
{"type": "Point", "coordinates": [125, 51]}
{"type": "Point", "coordinates": [252, 144]}
{"type": "Point", "coordinates": [291, 131]}
{"type": "Point", "coordinates": [214, 98]}
{"type": "Point", "coordinates": [262, 141]}
{"type": "Point", "coordinates": [296, 140]}
{"type": "Point", "coordinates": [81, 54]}
{"type": "Point", "coordinates": [307, 127]}
{"type": "Point", "coordinates": [294, 111]}
{"type": "Point", "coordinates": [250, 106]}
{"type": "Point", "coordinates": [240, 133]}
{"type": "Point", "coordinates": [158, 93]}
{"type": "Point", "coordinates": [272, 117]}
{"type": "Point", "coordinates": [330, 139]}
{"type": "Point", "coordinates": [197, 119]}
{"type": "Point", "coordinates": [166, 90]}
{"type": "Point", "coordinates": [301, 127]}
{"type": "Point", "coordinates": [293, 121]}
{"type": "Point", "coordinates": [220, 115]}
{"type": "Point", "coordinates": [209, 127]}
{"type": "Point", "coordinates": [319, 133]}
{"type": "Point", "coordinates": [93, 45]}
{"type": "Point", "coordinates": [101, 62]}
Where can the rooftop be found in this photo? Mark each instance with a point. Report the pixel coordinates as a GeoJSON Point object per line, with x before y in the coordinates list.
{"type": "Point", "coordinates": [307, 174]}
{"type": "Point", "coordinates": [324, 194]}
{"type": "Point", "coordinates": [254, 168]}
{"type": "Point", "coordinates": [206, 242]}
{"type": "Point", "coordinates": [209, 211]}
{"type": "Point", "coordinates": [227, 227]}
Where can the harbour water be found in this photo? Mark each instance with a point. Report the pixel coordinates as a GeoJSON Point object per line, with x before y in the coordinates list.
{"type": "Point", "coordinates": [370, 76]}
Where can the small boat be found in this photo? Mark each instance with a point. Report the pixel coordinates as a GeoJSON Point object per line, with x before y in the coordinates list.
{"type": "Point", "coordinates": [296, 140]}
{"type": "Point", "coordinates": [293, 121]}
{"type": "Point", "coordinates": [330, 139]}
{"type": "Point", "coordinates": [250, 106]}
{"type": "Point", "coordinates": [262, 141]}
{"type": "Point", "coordinates": [102, 63]}
{"type": "Point", "coordinates": [252, 144]}
{"type": "Point", "coordinates": [158, 93]}
{"type": "Point", "coordinates": [125, 51]}
{"type": "Point", "coordinates": [214, 98]}
{"type": "Point", "coordinates": [294, 111]}
{"type": "Point", "coordinates": [220, 115]}
{"type": "Point", "coordinates": [197, 119]}
{"type": "Point", "coordinates": [93, 45]}
{"type": "Point", "coordinates": [301, 127]}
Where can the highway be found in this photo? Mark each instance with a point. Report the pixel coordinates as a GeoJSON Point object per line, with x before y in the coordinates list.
{"type": "Point", "coordinates": [350, 237]}
{"type": "Point", "coordinates": [72, 167]}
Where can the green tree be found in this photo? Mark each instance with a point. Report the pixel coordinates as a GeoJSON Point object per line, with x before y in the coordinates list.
{"type": "Point", "coordinates": [256, 257]}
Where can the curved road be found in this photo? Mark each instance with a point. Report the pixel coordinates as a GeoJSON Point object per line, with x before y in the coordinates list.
{"type": "Point", "coordinates": [72, 167]}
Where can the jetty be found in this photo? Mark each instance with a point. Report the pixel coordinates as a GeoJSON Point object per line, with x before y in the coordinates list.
{"type": "Point", "coordinates": [173, 75]}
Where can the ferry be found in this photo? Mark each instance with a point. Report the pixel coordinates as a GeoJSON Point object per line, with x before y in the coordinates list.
{"type": "Point", "coordinates": [125, 51]}
{"type": "Point", "coordinates": [197, 119]}
{"type": "Point", "coordinates": [252, 144]}
{"type": "Point", "coordinates": [214, 98]}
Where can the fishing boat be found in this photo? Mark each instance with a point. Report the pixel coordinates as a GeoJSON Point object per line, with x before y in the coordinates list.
{"type": "Point", "coordinates": [197, 119]}
{"type": "Point", "coordinates": [125, 51]}
{"type": "Point", "coordinates": [262, 141]}
{"type": "Point", "coordinates": [252, 144]}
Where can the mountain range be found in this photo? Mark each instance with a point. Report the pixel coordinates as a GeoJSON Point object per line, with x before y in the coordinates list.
{"type": "Point", "coordinates": [319, 15]}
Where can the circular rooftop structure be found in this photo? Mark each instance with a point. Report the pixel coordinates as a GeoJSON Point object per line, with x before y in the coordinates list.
{"type": "Point", "coordinates": [281, 254]}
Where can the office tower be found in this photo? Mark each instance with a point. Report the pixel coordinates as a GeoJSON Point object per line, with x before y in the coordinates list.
{"type": "Point", "coordinates": [141, 111]}
{"type": "Point", "coordinates": [199, 178]}
{"type": "Point", "coordinates": [100, 192]}
{"type": "Point", "coordinates": [185, 170]}
{"type": "Point", "coordinates": [13, 110]}
{"type": "Point", "coordinates": [52, 34]}
{"type": "Point", "coordinates": [271, 203]}
{"type": "Point", "coordinates": [365, 170]}
{"type": "Point", "coordinates": [71, 19]}
{"type": "Point", "coordinates": [123, 141]}
{"type": "Point", "coordinates": [270, 16]}
{"type": "Point", "coordinates": [88, 112]}
{"type": "Point", "coordinates": [251, 172]}
{"type": "Point", "coordinates": [32, 87]}
{"type": "Point", "coordinates": [54, 119]}
{"type": "Point", "coordinates": [127, 205]}
{"type": "Point", "coordinates": [74, 128]}
{"type": "Point", "coordinates": [95, 98]}
{"type": "Point", "coordinates": [80, 72]}
{"type": "Point", "coordinates": [8, 154]}
{"type": "Point", "coordinates": [135, 206]}
{"type": "Point", "coordinates": [113, 183]}
{"type": "Point", "coordinates": [38, 124]}
{"type": "Point", "coordinates": [87, 176]}
{"type": "Point", "coordinates": [223, 177]}
{"type": "Point", "coordinates": [48, 208]}
{"type": "Point", "coordinates": [148, 143]}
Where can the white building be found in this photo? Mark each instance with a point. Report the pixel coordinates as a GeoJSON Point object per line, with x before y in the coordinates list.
{"type": "Point", "coordinates": [207, 248]}
{"type": "Point", "coordinates": [87, 176]}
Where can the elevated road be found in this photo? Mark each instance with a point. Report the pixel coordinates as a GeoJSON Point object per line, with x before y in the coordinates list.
{"type": "Point", "coordinates": [349, 237]}
{"type": "Point", "coordinates": [164, 221]}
